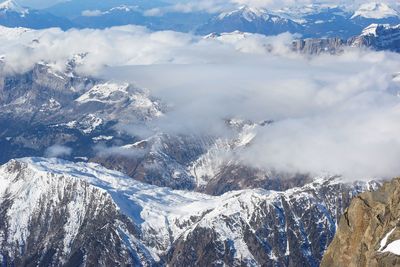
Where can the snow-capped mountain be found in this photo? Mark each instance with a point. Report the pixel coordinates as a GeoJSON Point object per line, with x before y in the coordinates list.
{"type": "Point", "coordinates": [115, 16]}
{"type": "Point", "coordinates": [253, 20]}
{"type": "Point", "coordinates": [376, 13]}
{"type": "Point", "coordinates": [311, 21]}
{"type": "Point", "coordinates": [70, 212]}
{"type": "Point", "coordinates": [14, 15]}
{"type": "Point", "coordinates": [12, 6]}
{"type": "Point", "coordinates": [375, 10]}
{"type": "Point", "coordinates": [379, 37]}
{"type": "Point", "coordinates": [376, 37]}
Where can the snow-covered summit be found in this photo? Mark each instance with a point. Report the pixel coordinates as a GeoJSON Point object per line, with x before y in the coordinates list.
{"type": "Point", "coordinates": [375, 10]}
{"type": "Point", "coordinates": [374, 29]}
{"type": "Point", "coordinates": [248, 13]}
{"type": "Point", "coordinates": [13, 6]}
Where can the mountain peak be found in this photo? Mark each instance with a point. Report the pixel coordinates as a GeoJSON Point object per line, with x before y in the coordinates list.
{"type": "Point", "coordinates": [248, 13]}
{"type": "Point", "coordinates": [12, 6]}
{"type": "Point", "coordinates": [375, 10]}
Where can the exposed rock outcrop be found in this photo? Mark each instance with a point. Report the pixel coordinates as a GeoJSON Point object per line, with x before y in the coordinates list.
{"type": "Point", "coordinates": [369, 231]}
{"type": "Point", "coordinates": [376, 37]}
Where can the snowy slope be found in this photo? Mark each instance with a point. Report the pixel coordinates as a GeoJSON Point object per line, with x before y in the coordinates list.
{"type": "Point", "coordinates": [166, 219]}
{"type": "Point", "coordinates": [57, 213]}
{"type": "Point", "coordinates": [247, 19]}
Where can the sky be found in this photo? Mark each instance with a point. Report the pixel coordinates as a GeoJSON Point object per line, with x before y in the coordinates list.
{"type": "Point", "coordinates": [39, 3]}
{"type": "Point", "coordinates": [213, 5]}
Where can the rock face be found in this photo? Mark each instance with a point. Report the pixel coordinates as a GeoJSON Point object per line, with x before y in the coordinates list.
{"type": "Point", "coordinates": [318, 46]}
{"type": "Point", "coordinates": [376, 37]}
{"type": "Point", "coordinates": [54, 212]}
{"type": "Point", "coordinates": [50, 219]}
{"type": "Point", "coordinates": [368, 233]}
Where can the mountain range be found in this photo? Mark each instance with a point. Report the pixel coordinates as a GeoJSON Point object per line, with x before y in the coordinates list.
{"type": "Point", "coordinates": [56, 212]}
{"type": "Point", "coordinates": [311, 21]}
{"type": "Point", "coordinates": [88, 179]}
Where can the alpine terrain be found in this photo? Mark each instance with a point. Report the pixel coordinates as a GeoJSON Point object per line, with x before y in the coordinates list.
{"type": "Point", "coordinates": [199, 133]}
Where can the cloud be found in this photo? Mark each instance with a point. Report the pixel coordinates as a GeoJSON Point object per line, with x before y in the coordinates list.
{"type": "Point", "coordinates": [128, 151]}
{"type": "Point", "coordinates": [92, 13]}
{"type": "Point", "coordinates": [56, 151]}
{"type": "Point", "coordinates": [128, 45]}
{"type": "Point", "coordinates": [336, 114]}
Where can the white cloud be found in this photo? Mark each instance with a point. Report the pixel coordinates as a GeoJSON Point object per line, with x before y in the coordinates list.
{"type": "Point", "coordinates": [332, 113]}
{"type": "Point", "coordinates": [58, 151]}
{"type": "Point", "coordinates": [92, 13]}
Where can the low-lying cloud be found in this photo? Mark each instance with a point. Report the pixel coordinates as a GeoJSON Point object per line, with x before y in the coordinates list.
{"type": "Point", "coordinates": [336, 114]}
{"type": "Point", "coordinates": [56, 151]}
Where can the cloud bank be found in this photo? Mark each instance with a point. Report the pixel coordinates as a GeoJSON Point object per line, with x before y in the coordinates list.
{"type": "Point", "coordinates": [336, 114]}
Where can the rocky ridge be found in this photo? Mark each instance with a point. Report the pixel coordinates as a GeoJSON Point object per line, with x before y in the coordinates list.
{"type": "Point", "coordinates": [75, 209]}
{"type": "Point", "coordinates": [368, 233]}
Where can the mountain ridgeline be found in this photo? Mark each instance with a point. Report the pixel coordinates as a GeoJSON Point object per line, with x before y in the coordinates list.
{"type": "Point", "coordinates": [310, 21]}
{"type": "Point", "coordinates": [90, 175]}
{"type": "Point", "coordinates": [55, 212]}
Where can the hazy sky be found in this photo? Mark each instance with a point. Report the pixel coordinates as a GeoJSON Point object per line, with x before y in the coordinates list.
{"type": "Point", "coordinates": [258, 3]}
{"type": "Point", "coordinates": [39, 3]}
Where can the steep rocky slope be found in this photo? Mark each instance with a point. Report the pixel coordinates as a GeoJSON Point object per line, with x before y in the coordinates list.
{"type": "Point", "coordinates": [376, 37]}
{"type": "Point", "coordinates": [54, 219]}
{"type": "Point", "coordinates": [368, 233]}
{"type": "Point", "coordinates": [56, 212]}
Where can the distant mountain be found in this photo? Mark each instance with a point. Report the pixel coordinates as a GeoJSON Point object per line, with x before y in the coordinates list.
{"type": "Point", "coordinates": [311, 21]}
{"type": "Point", "coordinates": [14, 15]}
{"type": "Point", "coordinates": [74, 8]}
{"type": "Point", "coordinates": [253, 20]}
{"type": "Point", "coordinates": [329, 22]}
{"type": "Point", "coordinates": [376, 37]}
{"type": "Point", "coordinates": [376, 13]}
{"type": "Point", "coordinates": [375, 10]}
{"type": "Point", "coordinates": [115, 16]}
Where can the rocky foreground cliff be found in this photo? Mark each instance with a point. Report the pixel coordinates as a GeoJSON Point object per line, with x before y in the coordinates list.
{"type": "Point", "coordinates": [369, 231]}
